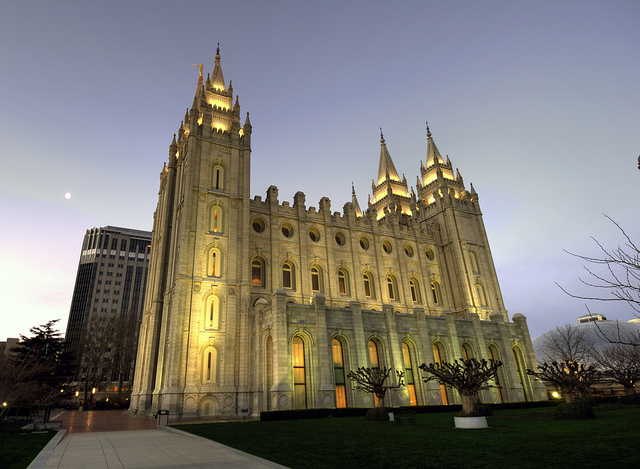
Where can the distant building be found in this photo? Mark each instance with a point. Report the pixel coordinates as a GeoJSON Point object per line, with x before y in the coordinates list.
{"type": "Point", "coordinates": [111, 281]}
{"type": "Point", "coordinates": [265, 305]}
{"type": "Point", "coordinates": [7, 347]}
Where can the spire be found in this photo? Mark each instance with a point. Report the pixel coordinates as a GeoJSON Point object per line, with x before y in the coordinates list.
{"type": "Point", "coordinates": [354, 201]}
{"type": "Point", "coordinates": [247, 122]}
{"type": "Point", "coordinates": [217, 80]}
{"type": "Point", "coordinates": [199, 91]}
{"type": "Point", "coordinates": [386, 164]}
{"type": "Point", "coordinates": [433, 155]}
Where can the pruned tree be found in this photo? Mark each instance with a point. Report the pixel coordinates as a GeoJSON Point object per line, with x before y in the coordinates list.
{"type": "Point", "coordinates": [43, 347]}
{"type": "Point", "coordinates": [371, 380]}
{"type": "Point", "coordinates": [614, 276]}
{"type": "Point", "coordinates": [621, 364]}
{"type": "Point", "coordinates": [568, 377]}
{"type": "Point", "coordinates": [567, 343]}
{"type": "Point", "coordinates": [467, 377]}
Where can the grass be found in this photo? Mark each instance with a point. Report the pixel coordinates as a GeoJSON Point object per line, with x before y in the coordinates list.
{"type": "Point", "coordinates": [18, 450]}
{"type": "Point", "coordinates": [520, 439]}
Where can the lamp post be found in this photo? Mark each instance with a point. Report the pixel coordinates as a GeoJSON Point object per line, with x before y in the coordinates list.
{"type": "Point", "coordinates": [75, 400]}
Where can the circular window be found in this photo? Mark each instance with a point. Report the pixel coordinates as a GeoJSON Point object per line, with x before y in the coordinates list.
{"type": "Point", "coordinates": [258, 225]}
{"type": "Point", "coordinates": [340, 239]}
{"type": "Point", "coordinates": [314, 234]}
{"type": "Point", "coordinates": [408, 250]}
{"type": "Point", "coordinates": [287, 230]}
{"type": "Point", "coordinates": [430, 254]}
{"type": "Point", "coordinates": [387, 247]}
{"type": "Point", "coordinates": [364, 243]}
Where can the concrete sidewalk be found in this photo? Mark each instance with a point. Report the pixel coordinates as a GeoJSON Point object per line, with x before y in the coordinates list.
{"type": "Point", "coordinates": [163, 448]}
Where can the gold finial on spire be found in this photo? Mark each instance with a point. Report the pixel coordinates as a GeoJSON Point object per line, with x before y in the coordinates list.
{"type": "Point", "coordinates": [381, 136]}
{"type": "Point", "coordinates": [200, 67]}
{"type": "Point", "coordinates": [428, 131]}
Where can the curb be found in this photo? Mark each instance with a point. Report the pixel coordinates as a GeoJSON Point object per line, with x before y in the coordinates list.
{"type": "Point", "coordinates": [43, 456]}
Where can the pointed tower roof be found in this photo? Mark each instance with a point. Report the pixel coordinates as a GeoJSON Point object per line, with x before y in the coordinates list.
{"type": "Point", "coordinates": [433, 155]}
{"type": "Point", "coordinates": [354, 201]}
{"type": "Point", "coordinates": [217, 80]}
{"type": "Point", "coordinates": [386, 164]}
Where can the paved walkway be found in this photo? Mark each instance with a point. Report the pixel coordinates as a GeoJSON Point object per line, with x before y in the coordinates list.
{"type": "Point", "coordinates": [114, 439]}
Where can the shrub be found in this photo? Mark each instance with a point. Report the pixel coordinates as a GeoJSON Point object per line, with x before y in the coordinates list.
{"type": "Point", "coordinates": [590, 401]}
{"type": "Point", "coordinates": [574, 411]}
{"type": "Point", "coordinates": [634, 399]}
{"type": "Point", "coordinates": [379, 414]}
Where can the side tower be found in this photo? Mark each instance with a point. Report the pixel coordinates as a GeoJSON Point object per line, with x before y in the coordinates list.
{"type": "Point", "coordinates": [453, 215]}
{"type": "Point", "coordinates": [198, 288]}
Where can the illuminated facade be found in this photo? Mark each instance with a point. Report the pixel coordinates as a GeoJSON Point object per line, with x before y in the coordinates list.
{"type": "Point", "coordinates": [263, 305]}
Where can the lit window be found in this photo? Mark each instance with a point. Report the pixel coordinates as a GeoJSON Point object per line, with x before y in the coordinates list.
{"type": "Point", "coordinates": [466, 351]}
{"type": "Point", "coordinates": [212, 312]}
{"type": "Point", "coordinates": [368, 285]}
{"type": "Point", "coordinates": [438, 356]}
{"type": "Point", "coordinates": [408, 373]}
{"type": "Point", "coordinates": [215, 263]}
{"type": "Point", "coordinates": [215, 224]}
{"type": "Point", "coordinates": [338, 370]}
{"type": "Point", "coordinates": [343, 282]}
{"type": "Point", "coordinates": [374, 362]}
{"type": "Point", "coordinates": [299, 381]}
{"type": "Point", "coordinates": [256, 273]}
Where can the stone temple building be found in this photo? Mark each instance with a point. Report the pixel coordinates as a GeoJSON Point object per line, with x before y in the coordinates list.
{"type": "Point", "coordinates": [258, 304]}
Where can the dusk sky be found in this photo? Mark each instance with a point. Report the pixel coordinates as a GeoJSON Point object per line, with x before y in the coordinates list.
{"type": "Point", "coordinates": [537, 103]}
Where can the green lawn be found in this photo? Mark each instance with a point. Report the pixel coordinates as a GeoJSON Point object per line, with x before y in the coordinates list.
{"type": "Point", "coordinates": [516, 439]}
{"type": "Point", "coordinates": [17, 450]}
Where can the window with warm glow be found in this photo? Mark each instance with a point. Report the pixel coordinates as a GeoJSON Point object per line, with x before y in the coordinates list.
{"type": "Point", "coordinates": [215, 263]}
{"type": "Point", "coordinates": [212, 313]}
{"type": "Point", "coordinates": [435, 292]}
{"type": "Point", "coordinates": [257, 271]}
{"type": "Point", "coordinates": [467, 352]}
{"type": "Point", "coordinates": [339, 376]}
{"type": "Point", "coordinates": [316, 279]}
{"type": "Point", "coordinates": [215, 224]}
{"type": "Point", "coordinates": [374, 362]}
{"type": "Point", "coordinates": [299, 379]}
{"type": "Point", "coordinates": [368, 285]}
{"type": "Point", "coordinates": [415, 291]}
{"type": "Point", "coordinates": [343, 282]}
{"type": "Point", "coordinates": [393, 288]}
{"type": "Point", "coordinates": [288, 275]}
{"type": "Point", "coordinates": [210, 365]}
{"type": "Point", "coordinates": [408, 373]}
{"type": "Point", "coordinates": [438, 356]}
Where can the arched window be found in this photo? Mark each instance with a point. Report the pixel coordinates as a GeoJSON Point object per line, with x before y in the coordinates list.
{"type": "Point", "coordinates": [214, 268]}
{"type": "Point", "coordinates": [343, 282]}
{"type": "Point", "coordinates": [257, 272]}
{"type": "Point", "coordinates": [435, 291]}
{"type": "Point", "coordinates": [467, 351]}
{"type": "Point", "coordinates": [316, 278]}
{"type": "Point", "coordinates": [415, 291]}
{"type": "Point", "coordinates": [439, 357]}
{"type": "Point", "coordinates": [408, 373]}
{"type": "Point", "coordinates": [369, 291]}
{"type": "Point", "coordinates": [493, 355]}
{"type": "Point", "coordinates": [393, 288]}
{"type": "Point", "coordinates": [299, 381]}
{"type": "Point", "coordinates": [218, 177]}
{"type": "Point", "coordinates": [474, 262]}
{"type": "Point", "coordinates": [374, 362]}
{"type": "Point", "coordinates": [482, 296]}
{"type": "Point", "coordinates": [215, 221]}
{"type": "Point", "coordinates": [212, 312]}
{"type": "Point", "coordinates": [518, 358]}
{"type": "Point", "coordinates": [210, 365]}
{"type": "Point", "coordinates": [338, 371]}
{"type": "Point", "coordinates": [288, 276]}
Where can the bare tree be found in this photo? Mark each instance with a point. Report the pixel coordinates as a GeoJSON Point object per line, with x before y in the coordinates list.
{"type": "Point", "coordinates": [124, 346]}
{"type": "Point", "coordinates": [372, 380]}
{"type": "Point", "coordinates": [96, 353]}
{"type": "Point", "coordinates": [614, 276]}
{"type": "Point", "coordinates": [567, 343]}
{"type": "Point", "coordinates": [568, 377]}
{"type": "Point", "coordinates": [620, 364]}
{"type": "Point", "coordinates": [467, 377]}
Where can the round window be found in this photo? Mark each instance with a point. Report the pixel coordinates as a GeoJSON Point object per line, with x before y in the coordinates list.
{"type": "Point", "coordinates": [258, 225]}
{"type": "Point", "coordinates": [287, 230]}
{"type": "Point", "coordinates": [387, 247]}
{"type": "Point", "coordinates": [314, 234]}
{"type": "Point", "coordinates": [430, 254]}
{"type": "Point", "coordinates": [408, 250]}
{"type": "Point", "coordinates": [340, 239]}
{"type": "Point", "coordinates": [364, 243]}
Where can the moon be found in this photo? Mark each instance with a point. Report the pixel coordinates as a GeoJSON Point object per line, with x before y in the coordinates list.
{"type": "Point", "coordinates": [67, 195]}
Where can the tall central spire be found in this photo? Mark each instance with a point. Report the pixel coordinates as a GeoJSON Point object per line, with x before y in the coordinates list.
{"type": "Point", "coordinates": [386, 164]}
{"type": "Point", "coordinates": [217, 80]}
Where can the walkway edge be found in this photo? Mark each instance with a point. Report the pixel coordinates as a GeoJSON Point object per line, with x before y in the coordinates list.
{"type": "Point", "coordinates": [43, 456]}
{"type": "Point", "coordinates": [266, 462]}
